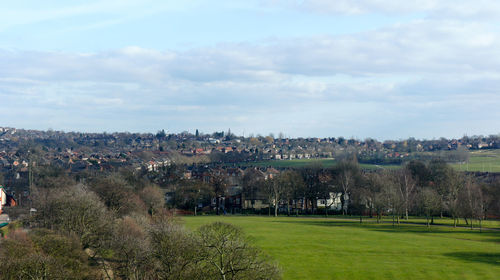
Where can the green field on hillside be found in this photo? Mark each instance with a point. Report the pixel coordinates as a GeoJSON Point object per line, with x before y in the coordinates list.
{"type": "Point", "coordinates": [319, 248]}
{"type": "Point", "coordinates": [298, 163]}
{"type": "Point", "coordinates": [483, 161]}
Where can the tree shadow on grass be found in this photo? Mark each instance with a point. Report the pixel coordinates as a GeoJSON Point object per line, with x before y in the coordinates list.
{"type": "Point", "coordinates": [401, 228]}
{"type": "Point", "coordinates": [322, 223]}
{"type": "Point", "coordinates": [382, 227]}
{"type": "Point", "coordinates": [496, 240]}
{"type": "Point", "coordinates": [488, 258]}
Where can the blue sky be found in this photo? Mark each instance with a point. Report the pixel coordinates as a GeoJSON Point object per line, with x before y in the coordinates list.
{"type": "Point", "coordinates": [368, 68]}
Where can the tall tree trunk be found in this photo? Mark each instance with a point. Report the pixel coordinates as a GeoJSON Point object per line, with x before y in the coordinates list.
{"type": "Point", "coordinates": [269, 208]}
{"type": "Point", "coordinates": [217, 204]}
{"type": "Point", "coordinates": [276, 208]}
{"type": "Point", "coordinates": [342, 203]}
{"type": "Point", "coordinates": [296, 208]}
{"type": "Point", "coordinates": [288, 208]}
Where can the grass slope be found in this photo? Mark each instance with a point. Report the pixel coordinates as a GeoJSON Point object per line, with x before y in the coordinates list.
{"type": "Point", "coordinates": [324, 162]}
{"type": "Point", "coordinates": [318, 248]}
{"type": "Point", "coordinates": [483, 161]}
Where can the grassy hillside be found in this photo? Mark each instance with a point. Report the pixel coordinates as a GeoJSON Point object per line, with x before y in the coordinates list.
{"type": "Point", "coordinates": [297, 163]}
{"type": "Point", "coordinates": [317, 248]}
{"type": "Point", "coordinates": [483, 161]}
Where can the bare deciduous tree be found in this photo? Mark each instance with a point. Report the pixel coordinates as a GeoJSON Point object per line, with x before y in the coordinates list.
{"type": "Point", "coordinates": [153, 198]}
{"type": "Point", "coordinates": [75, 210]}
{"type": "Point", "coordinates": [227, 254]}
{"type": "Point", "coordinates": [292, 187]}
{"type": "Point", "coordinates": [472, 201]}
{"type": "Point", "coordinates": [118, 196]}
{"type": "Point", "coordinates": [406, 188]}
{"type": "Point", "coordinates": [218, 181]}
{"type": "Point", "coordinates": [175, 251]}
{"type": "Point", "coordinates": [346, 178]}
{"type": "Point", "coordinates": [131, 249]}
{"type": "Point", "coordinates": [252, 184]}
{"type": "Point", "coordinates": [429, 203]}
{"type": "Point", "coordinates": [43, 254]}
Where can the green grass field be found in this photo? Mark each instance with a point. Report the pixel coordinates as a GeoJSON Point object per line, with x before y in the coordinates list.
{"type": "Point", "coordinates": [484, 161]}
{"type": "Point", "coordinates": [319, 248]}
{"type": "Point", "coordinates": [324, 162]}
{"type": "Point", "coordinates": [492, 224]}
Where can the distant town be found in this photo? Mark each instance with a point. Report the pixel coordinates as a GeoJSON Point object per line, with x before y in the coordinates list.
{"type": "Point", "coordinates": [195, 153]}
{"type": "Point", "coordinates": [76, 151]}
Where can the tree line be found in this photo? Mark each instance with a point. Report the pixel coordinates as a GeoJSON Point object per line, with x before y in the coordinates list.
{"type": "Point", "coordinates": [425, 189]}
{"type": "Point", "coordinates": [417, 189]}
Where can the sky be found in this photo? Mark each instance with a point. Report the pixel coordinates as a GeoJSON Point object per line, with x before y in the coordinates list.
{"type": "Point", "coordinates": [384, 69]}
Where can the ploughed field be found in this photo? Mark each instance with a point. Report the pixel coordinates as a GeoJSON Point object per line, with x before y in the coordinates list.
{"type": "Point", "coordinates": [335, 248]}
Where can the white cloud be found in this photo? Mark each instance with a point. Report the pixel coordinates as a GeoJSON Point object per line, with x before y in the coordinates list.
{"type": "Point", "coordinates": [464, 9]}
{"type": "Point", "coordinates": [419, 48]}
{"type": "Point", "coordinates": [421, 74]}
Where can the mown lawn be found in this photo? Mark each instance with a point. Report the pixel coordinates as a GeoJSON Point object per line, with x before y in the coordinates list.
{"type": "Point", "coordinates": [319, 248]}
{"type": "Point", "coordinates": [493, 224]}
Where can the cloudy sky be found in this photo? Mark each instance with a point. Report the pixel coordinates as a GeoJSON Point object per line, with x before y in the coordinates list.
{"type": "Point", "coordinates": [386, 69]}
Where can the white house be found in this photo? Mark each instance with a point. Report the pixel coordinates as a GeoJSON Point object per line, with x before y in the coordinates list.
{"type": "Point", "coordinates": [3, 198]}
{"type": "Point", "coordinates": [334, 202]}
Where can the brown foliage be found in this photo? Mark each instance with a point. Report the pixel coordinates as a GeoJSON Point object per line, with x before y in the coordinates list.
{"type": "Point", "coordinates": [43, 255]}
